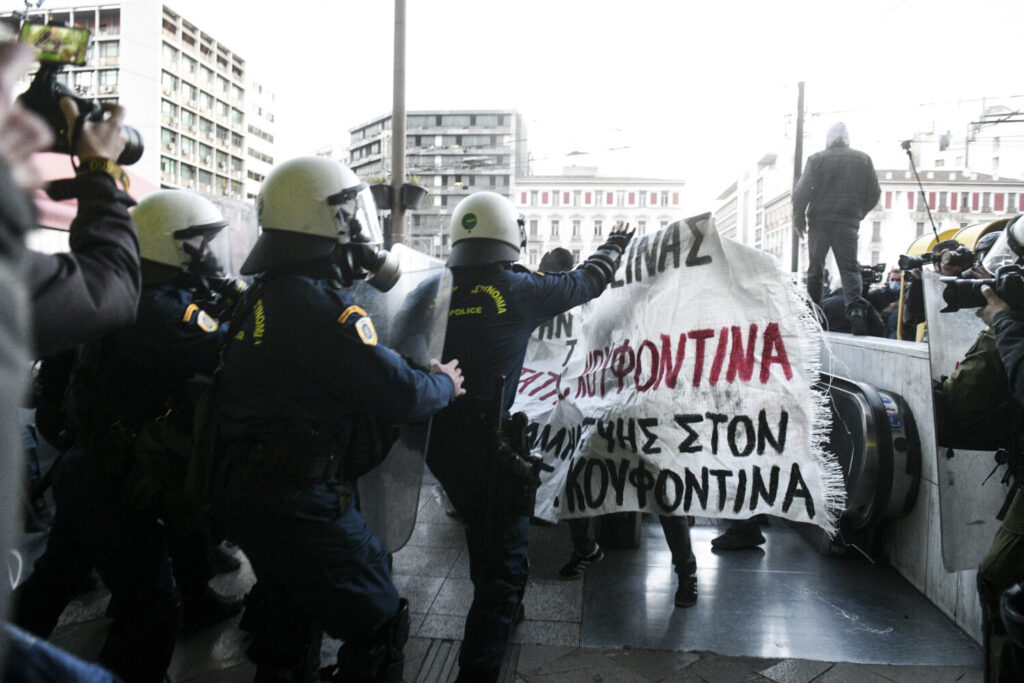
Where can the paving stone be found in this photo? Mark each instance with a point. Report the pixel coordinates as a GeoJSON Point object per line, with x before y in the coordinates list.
{"type": "Point", "coordinates": [420, 591]}
{"type": "Point", "coordinates": [927, 674]}
{"type": "Point", "coordinates": [844, 672]}
{"type": "Point", "coordinates": [454, 597]}
{"type": "Point", "coordinates": [547, 601]}
{"type": "Point", "coordinates": [654, 665]}
{"type": "Point", "coordinates": [716, 669]}
{"type": "Point", "coordinates": [795, 671]}
{"type": "Point", "coordinates": [423, 561]}
{"type": "Point", "coordinates": [442, 626]}
{"type": "Point", "coordinates": [532, 657]}
{"type": "Point", "coordinates": [582, 666]}
{"type": "Point", "coordinates": [220, 646]}
{"type": "Point", "coordinates": [561, 633]}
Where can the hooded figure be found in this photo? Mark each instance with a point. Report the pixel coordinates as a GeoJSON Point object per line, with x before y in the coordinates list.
{"type": "Point", "coordinates": [838, 188]}
{"type": "Point", "coordinates": [837, 136]}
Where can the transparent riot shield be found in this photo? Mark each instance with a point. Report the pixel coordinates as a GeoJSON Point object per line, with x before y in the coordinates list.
{"type": "Point", "coordinates": [969, 498]}
{"type": "Point", "coordinates": [411, 318]}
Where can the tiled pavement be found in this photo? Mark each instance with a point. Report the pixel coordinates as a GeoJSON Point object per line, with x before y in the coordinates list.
{"type": "Point", "coordinates": [782, 614]}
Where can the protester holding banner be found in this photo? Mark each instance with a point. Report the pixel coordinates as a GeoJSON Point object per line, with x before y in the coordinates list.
{"type": "Point", "coordinates": [494, 308]}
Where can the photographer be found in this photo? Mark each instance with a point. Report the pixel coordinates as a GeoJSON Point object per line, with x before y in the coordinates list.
{"type": "Point", "coordinates": [913, 300]}
{"type": "Point", "coordinates": [1008, 326]}
{"type": "Point", "coordinates": [27, 278]}
{"type": "Point", "coordinates": [980, 406]}
{"type": "Point", "coordinates": [93, 289]}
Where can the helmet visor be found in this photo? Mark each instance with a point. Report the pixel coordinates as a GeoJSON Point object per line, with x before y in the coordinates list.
{"type": "Point", "coordinates": [1000, 254]}
{"type": "Point", "coordinates": [205, 249]}
{"type": "Point", "coordinates": [358, 211]}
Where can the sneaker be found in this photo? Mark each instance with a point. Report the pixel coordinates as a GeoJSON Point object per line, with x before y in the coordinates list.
{"type": "Point", "coordinates": [686, 594]}
{"type": "Point", "coordinates": [738, 538]}
{"type": "Point", "coordinates": [858, 322]}
{"type": "Point", "coordinates": [578, 564]}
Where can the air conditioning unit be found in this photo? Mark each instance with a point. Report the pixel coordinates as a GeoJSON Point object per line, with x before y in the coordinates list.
{"type": "Point", "coordinates": [206, 160]}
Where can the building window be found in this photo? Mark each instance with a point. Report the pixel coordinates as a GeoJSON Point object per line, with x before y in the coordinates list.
{"type": "Point", "coordinates": [919, 229]}
{"type": "Point", "coordinates": [554, 229]}
{"type": "Point", "coordinates": [533, 257]}
{"type": "Point", "coordinates": [533, 228]}
{"type": "Point", "coordinates": [597, 228]}
{"type": "Point", "coordinates": [575, 228]}
{"type": "Point", "coordinates": [876, 231]}
{"type": "Point", "coordinates": [575, 256]}
{"type": "Point", "coordinates": [875, 255]}
{"type": "Point", "coordinates": [641, 227]}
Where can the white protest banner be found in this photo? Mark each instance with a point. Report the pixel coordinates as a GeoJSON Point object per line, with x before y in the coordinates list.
{"type": "Point", "coordinates": [687, 388]}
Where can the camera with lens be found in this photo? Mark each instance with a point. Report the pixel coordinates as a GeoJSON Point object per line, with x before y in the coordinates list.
{"type": "Point", "coordinates": [908, 262]}
{"type": "Point", "coordinates": [60, 45]}
{"type": "Point", "coordinates": [966, 293]}
{"type": "Point", "coordinates": [872, 274]}
{"type": "Point", "coordinates": [961, 257]}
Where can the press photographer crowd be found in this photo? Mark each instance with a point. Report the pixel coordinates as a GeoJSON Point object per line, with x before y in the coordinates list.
{"type": "Point", "coordinates": [193, 407]}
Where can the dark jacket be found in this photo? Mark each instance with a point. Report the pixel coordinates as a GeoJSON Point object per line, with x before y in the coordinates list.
{"type": "Point", "coordinates": [838, 184]}
{"type": "Point", "coordinates": [94, 289]}
{"type": "Point", "coordinates": [307, 357]}
{"type": "Point", "coordinates": [1009, 330]}
{"type": "Point", "coordinates": [494, 310]}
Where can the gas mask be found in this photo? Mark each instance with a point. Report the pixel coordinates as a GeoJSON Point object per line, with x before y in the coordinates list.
{"type": "Point", "coordinates": [359, 254]}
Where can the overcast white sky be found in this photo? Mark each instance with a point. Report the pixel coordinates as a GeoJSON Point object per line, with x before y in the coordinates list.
{"type": "Point", "coordinates": [696, 89]}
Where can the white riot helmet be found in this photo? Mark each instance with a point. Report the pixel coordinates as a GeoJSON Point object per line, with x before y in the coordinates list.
{"type": "Point", "coordinates": [177, 228]}
{"type": "Point", "coordinates": [1008, 247]}
{"type": "Point", "coordinates": [312, 207]}
{"type": "Point", "coordinates": [485, 228]}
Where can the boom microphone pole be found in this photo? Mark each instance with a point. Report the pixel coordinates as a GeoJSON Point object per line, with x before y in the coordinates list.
{"type": "Point", "coordinates": [906, 148]}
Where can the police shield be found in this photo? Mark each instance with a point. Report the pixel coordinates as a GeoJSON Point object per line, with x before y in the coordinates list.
{"type": "Point", "coordinates": [969, 498]}
{"type": "Point", "coordinates": [410, 318]}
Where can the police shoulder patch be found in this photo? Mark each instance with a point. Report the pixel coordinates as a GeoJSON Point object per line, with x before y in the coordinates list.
{"type": "Point", "coordinates": [206, 322]}
{"type": "Point", "coordinates": [366, 331]}
{"type": "Point", "coordinates": [349, 312]}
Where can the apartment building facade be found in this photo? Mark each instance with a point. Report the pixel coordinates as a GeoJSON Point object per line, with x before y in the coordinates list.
{"type": "Point", "coordinates": [184, 91]}
{"type": "Point", "coordinates": [452, 153]}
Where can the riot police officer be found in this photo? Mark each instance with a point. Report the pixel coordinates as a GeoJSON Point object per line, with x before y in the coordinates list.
{"type": "Point", "coordinates": [494, 308]}
{"type": "Point", "coordinates": [303, 370]}
{"type": "Point", "coordinates": [110, 496]}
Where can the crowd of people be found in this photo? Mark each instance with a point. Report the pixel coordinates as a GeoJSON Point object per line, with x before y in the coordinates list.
{"type": "Point", "coordinates": [147, 343]}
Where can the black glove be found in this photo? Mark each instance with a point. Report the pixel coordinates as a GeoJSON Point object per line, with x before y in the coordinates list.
{"type": "Point", "coordinates": [619, 237]}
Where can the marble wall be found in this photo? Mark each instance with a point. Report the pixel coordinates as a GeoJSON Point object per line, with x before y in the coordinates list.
{"type": "Point", "coordinates": [912, 543]}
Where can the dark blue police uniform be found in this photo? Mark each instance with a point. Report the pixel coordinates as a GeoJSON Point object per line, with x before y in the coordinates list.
{"type": "Point", "coordinates": [121, 382]}
{"type": "Point", "coordinates": [493, 311]}
{"type": "Point", "coordinates": [304, 364]}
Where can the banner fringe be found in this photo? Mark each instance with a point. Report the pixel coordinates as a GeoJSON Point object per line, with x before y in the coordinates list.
{"type": "Point", "coordinates": [812, 337]}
